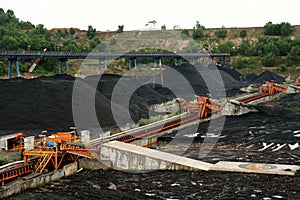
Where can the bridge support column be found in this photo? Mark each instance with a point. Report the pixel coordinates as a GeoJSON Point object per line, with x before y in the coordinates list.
{"type": "Point", "coordinates": [17, 68]}
{"type": "Point", "coordinates": [9, 68]}
{"type": "Point", "coordinates": [67, 66]}
{"type": "Point", "coordinates": [130, 63]}
{"type": "Point", "coordinates": [161, 74]}
{"type": "Point", "coordinates": [105, 64]}
{"type": "Point", "coordinates": [154, 75]}
{"type": "Point", "coordinates": [135, 73]}
{"type": "Point", "coordinates": [99, 66]}
{"type": "Point", "coordinates": [60, 66]}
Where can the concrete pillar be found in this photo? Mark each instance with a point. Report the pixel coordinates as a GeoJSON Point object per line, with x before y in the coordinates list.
{"type": "Point", "coordinates": [129, 66]}
{"type": "Point", "coordinates": [99, 66]}
{"type": "Point", "coordinates": [17, 68]}
{"type": "Point", "coordinates": [60, 66]}
{"type": "Point", "coordinates": [9, 68]}
{"type": "Point", "coordinates": [161, 74]}
{"type": "Point", "coordinates": [67, 66]}
{"type": "Point", "coordinates": [135, 67]}
{"type": "Point", "coordinates": [105, 64]}
{"type": "Point", "coordinates": [154, 76]}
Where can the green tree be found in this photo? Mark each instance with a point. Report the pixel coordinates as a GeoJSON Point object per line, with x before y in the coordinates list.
{"type": "Point", "coordinates": [10, 13]}
{"type": "Point", "coordinates": [163, 27]}
{"type": "Point", "coordinates": [284, 46]}
{"type": "Point", "coordinates": [227, 47]}
{"type": "Point", "coordinates": [198, 31]}
{"type": "Point", "coordinates": [293, 56]}
{"type": "Point", "coordinates": [120, 29]}
{"type": "Point", "coordinates": [269, 60]}
{"type": "Point", "coordinates": [91, 32]}
{"type": "Point", "coordinates": [243, 33]}
{"type": "Point", "coordinates": [244, 47]}
{"type": "Point", "coordinates": [185, 31]}
{"type": "Point", "coordinates": [153, 22]}
{"type": "Point", "coordinates": [221, 33]}
{"type": "Point", "coordinates": [271, 47]}
{"type": "Point", "coordinates": [72, 31]}
{"type": "Point", "coordinates": [286, 29]}
{"type": "Point", "coordinates": [241, 63]}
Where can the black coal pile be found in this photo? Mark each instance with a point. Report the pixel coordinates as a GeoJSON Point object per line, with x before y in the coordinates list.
{"type": "Point", "coordinates": [48, 102]}
{"type": "Point", "coordinates": [267, 76]}
{"type": "Point", "coordinates": [203, 80]}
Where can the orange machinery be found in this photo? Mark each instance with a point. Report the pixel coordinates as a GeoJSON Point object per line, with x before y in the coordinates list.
{"type": "Point", "coordinates": [55, 150]}
{"type": "Point", "coordinates": [203, 105]}
{"type": "Point", "coordinates": [271, 88]}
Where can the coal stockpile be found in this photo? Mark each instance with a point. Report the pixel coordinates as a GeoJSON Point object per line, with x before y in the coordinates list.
{"type": "Point", "coordinates": [167, 185]}
{"type": "Point", "coordinates": [46, 102]}
{"type": "Point", "coordinates": [267, 76]}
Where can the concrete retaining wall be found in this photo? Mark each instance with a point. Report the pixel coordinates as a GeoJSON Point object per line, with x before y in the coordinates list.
{"type": "Point", "coordinates": [27, 183]}
{"type": "Point", "coordinates": [134, 158]}
{"type": "Point", "coordinates": [233, 109]}
{"type": "Point", "coordinates": [94, 164]}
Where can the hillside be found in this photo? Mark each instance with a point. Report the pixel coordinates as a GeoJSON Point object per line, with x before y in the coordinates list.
{"type": "Point", "coordinates": [253, 51]}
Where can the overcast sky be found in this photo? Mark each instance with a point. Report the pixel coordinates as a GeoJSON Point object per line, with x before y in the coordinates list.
{"type": "Point", "coordinates": [134, 14]}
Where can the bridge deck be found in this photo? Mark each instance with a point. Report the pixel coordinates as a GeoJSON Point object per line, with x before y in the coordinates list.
{"type": "Point", "coordinates": [100, 55]}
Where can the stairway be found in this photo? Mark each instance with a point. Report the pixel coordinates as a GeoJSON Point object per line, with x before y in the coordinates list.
{"type": "Point", "coordinates": [43, 162]}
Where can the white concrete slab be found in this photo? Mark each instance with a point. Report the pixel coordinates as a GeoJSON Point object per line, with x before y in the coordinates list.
{"type": "Point", "coordinates": [129, 155]}
{"type": "Point", "coordinates": [248, 167]}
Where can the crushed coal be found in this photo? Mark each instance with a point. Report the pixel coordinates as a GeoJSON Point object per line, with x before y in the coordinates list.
{"type": "Point", "coordinates": [46, 102]}
{"type": "Point", "coordinates": [267, 76]}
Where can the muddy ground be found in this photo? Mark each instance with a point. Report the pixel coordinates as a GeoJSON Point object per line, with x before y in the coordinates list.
{"type": "Point", "coordinates": [242, 139]}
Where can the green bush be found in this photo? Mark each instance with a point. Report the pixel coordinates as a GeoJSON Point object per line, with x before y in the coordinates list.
{"type": "Point", "coordinates": [242, 63]}
{"type": "Point", "coordinates": [221, 33]}
{"type": "Point", "coordinates": [143, 121]}
{"type": "Point", "coordinates": [269, 60]}
{"type": "Point", "coordinates": [4, 160]}
{"type": "Point", "coordinates": [243, 33]}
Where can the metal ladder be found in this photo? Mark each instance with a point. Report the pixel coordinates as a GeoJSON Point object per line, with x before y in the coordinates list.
{"type": "Point", "coordinates": [42, 162]}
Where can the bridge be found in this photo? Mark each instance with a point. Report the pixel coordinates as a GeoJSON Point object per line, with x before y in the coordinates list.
{"type": "Point", "coordinates": [102, 57]}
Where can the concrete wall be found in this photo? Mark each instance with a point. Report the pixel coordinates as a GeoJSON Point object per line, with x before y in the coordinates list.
{"type": "Point", "coordinates": [94, 164]}
{"type": "Point", "coordinates": [292, 89]}
{"type": "Point", "coordinates": [27, 183]}
{"type": "Point", "coordinates": [134, 158]}
{"type": "Point", "coordinates": [233, 109]}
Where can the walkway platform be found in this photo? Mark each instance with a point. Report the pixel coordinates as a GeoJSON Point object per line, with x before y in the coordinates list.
{"type": "Point", "coordinates": [131, 157]}
{"type": "Point", "coordinates": [124, 156]}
